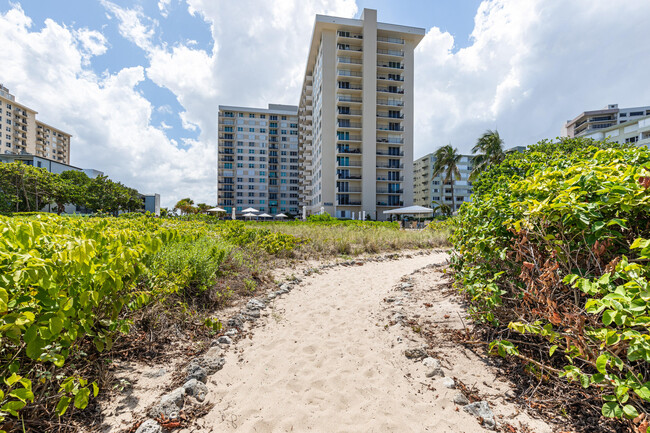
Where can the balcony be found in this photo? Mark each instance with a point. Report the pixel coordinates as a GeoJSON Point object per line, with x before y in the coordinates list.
{"type": "Point", "coordinates": [391, 65]}
{"type": "Point", "coordinates": [349, 112]}
{"type": "Point", "coordinates": [355, 151]}
{"type": "Point", "coordinates": [348, 35]}
{"type": "Point", "coordinates": [390, 78]}
{"type": "Point", "coordinates": [390, 166]}
{"type": "Point", "coordinates": [350, 87]}
{"type": "Point", "coordinates": [390, 40]}
{"type": "Point", "coordinates": [396, 53]}
{"type": "Point", "coordinates": [390, 128]}
{"type": "Point", "coordinates": [347, 137]}
{"type": "Point", "coordinates": [349, 61]}
{"type": "Point", "coordinates": [347, 73]}
{"type": "Point", "coordinates": [390, 102]}
{"type": "Point", "coordinates": [389, 153]}
{"type": "Point", "coordinates": [356, 125]}
{"type": "Point", "coordinates": [348, 176]}
{"type": "Point", "coordinates": [348, 203]}
{"type": "Point", "coordinates": [348, 163]}
{"type": "Point", "coordinates": [390, 116]}
{"type": "Point", "coordinates": [385, 204]}
{"type": "Point", "coordinates": [349, 190]}
{"type": "Point", "coordinates": [390, 90]}
{"type": "Point", "coordinates": [390, 140]}
{"type": "Point", "coordinates": [345, 47]}
{"type": "Point", "coordinates": [389, 191]}
{"type": "Point", "coordinates": [353, 99]}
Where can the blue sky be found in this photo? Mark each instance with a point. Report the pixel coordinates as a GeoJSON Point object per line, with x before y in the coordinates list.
{"type": "Point", "coordinates": [138, 83]}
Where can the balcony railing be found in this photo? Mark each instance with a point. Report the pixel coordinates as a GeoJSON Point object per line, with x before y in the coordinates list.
{"type": "Point", "coordinates": [350, 190]}
{"type": "Point", "coordinates": [349, 203]}
{"type": "Point", "coordinates": [386, 77]}
{"type": "Point", "coordinates": [348, 138]}
{"type": "Point", "coordinates": [350, 87]}
{"type": "Point", "coordinates": [345, 98]}
{"type": "Point", "coordinates": [343, 48]}
{"type": "Point", "coordinates": [349, 124]}
{"type": "Point", "coordinates": [390, 140]}
{"type": "Point", "coordinates": [390, 40]}
{"type": "Point", "coordinates": [346, 73]}
{"type": "Point", "coordinates": [348, 150]}
{"type": "Point", "coordinates": [385, 179]}
{"type": "Point", "coordinates": [389, 65]}
{"type": "Point", "coordinates": [379, 165]}
{"type": "Point", "coordinates": [389, 153]}
{"type": "Point", "coordinates": [349, 177]}
{"type": "Point", "coordinates": [389, 90]}
{"type": "Point", "coordinates": [390, 128]}
{"type": "Point", "coordinates": [387, 116]}
{"type": "Point", "coordinates": [348, 163]}
{"type": "Point", "coordinates": [342, 34]}
{"type": "Point", "coordinates": [396, 204]}
{"type": "Point", "coordinates": [350, 61]}
{"type": "Point", "coordinates": [390, 191]}
{"type": "Point", "coordinates": [398, 53]}
{"type": "Point", "coordinates": [350, 113]}
{"type": "Point", "coordinates": [391, 103]}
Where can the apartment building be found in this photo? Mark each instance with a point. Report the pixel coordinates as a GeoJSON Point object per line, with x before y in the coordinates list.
{"type": "Point", "coordinates": [636, 131]}
{"type": "Point", "coordinates": [589, 122]}
{"type": "Point", "coordinates": [22, 134]}
{"type": "Point", "coordinates": [258, 159]}
{"type": "Point", "coordinates": [429, 188]}
{"type": "Point", "coordinates": [356, 117]}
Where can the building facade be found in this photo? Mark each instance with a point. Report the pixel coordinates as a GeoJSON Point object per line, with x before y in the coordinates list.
{"type": "Point", "coordinates": [258, 159]}
{"type": "Point", "coordinates": [23, 134]}
{"type": "Point", "coordinates": [635, 131]}
{"type": "Point", "coordinates": [356, 117]}
{"type": "Point", "coordinates": [590, 122]}
{"type": "Point", "coordinates": [429, 188]}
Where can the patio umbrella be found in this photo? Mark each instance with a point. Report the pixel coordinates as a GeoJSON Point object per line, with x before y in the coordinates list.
{"type": "Point", "coordinates": [264, 215]}
{"type": "Point", "coordinates": [216, 209]}
{"type": "Point", "coordinates": [249, 215]}
{"type": "Point", "coordinates": [281, 215]}
{"type": "Point", "coordinates": [250, 210]}
{"type": "Point", "coordinates": [233, 213]}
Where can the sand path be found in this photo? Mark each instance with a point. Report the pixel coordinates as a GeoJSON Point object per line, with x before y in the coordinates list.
{"type": "Point", "coordinates": [324, 363]}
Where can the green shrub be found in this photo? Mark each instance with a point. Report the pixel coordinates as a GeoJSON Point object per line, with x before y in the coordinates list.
{"type": "Point", "coordinates": [554, 246]}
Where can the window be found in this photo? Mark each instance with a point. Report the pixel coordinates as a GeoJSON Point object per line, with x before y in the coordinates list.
{"type": "Point", "coordinates": [632, 139]}
{"type": "Point", "coordinates": [284, 117]}
{"type": "Point", "coordinates": [240, 114]}
{"type": "Point", "coordinates": [623, 115]}
{"type": "Point", "coordinates": [262, 116]}
{"type": "Point", "coordinates": [636, 113]}
{"type": "Point", "coordinates": [251, 129]}
{"type": "Point", "coordinates": [240, 129]}
{"type": "Point", "coordinates": [251, 115]}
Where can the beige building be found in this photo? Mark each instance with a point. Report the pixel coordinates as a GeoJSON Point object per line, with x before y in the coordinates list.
{"type": "Point", "coordinates": [258, 159]}
{"type": "Point", "coordinates": [356, 117]}
{"type": "Point", "coordinates": [590, 122]}
{"type": "Point", "coordinates": [636, 131]}
{"type": "Point", "coordinates": [22, 134]}
{"type": "Point", "coordinates": [429, 188]}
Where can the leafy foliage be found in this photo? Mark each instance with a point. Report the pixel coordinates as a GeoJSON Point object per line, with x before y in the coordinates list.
{"type": "Point", "coordinates": [554, 245]}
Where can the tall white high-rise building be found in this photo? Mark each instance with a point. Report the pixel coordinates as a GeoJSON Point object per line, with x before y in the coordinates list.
{"type": "Point", "coordinates": [356, 117]}
{"type": "Point", "coordinates": [258, 159]}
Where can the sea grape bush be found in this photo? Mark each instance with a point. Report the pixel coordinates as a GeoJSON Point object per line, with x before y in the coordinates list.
{"type": "Point", "coordinates": [63, 281]}
{"type": "Point", "coordinates": [67, 285]}
{"type": "Point", "coordinates": [555, 246]}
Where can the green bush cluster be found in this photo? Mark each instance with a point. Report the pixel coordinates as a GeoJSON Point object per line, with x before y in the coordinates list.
{"type": "Point", "coordinates": [555, 246]}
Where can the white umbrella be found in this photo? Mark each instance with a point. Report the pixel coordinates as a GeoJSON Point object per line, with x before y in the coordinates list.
{"type": "Point", "coordinates": [216, 209]}
{"type": "Point", "coordinates": [304, 213]}
{"type": "Point", "coordinates": [233, 213]}
{"type": "Point", "coordinates": [409, 210]}
{"type": "Point", "coordinates": [250, 210]}
{"type": "Point", "coordinates": [249, 215]}
{"type": "Point", "coordinates": [264, 215]}
{"type": "Point", "coordinates": [281, 215]}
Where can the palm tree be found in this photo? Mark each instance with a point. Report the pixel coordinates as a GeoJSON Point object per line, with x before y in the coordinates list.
{"type": "Point", "coordinates": [440, 206]}
{"type": "Point", "coordinates": [490, 149]}
{"type": "Point", "coordinates": [185, 205]}
{"type": "Point", "coordinates": [447, 160]}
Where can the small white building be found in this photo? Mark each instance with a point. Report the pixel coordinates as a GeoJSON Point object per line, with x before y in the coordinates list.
{"type": "Point", "coordinates": [634, 131]}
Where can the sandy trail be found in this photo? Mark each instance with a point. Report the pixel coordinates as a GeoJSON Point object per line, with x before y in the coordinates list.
{"type": "Point", "coordinates": [323, 362]}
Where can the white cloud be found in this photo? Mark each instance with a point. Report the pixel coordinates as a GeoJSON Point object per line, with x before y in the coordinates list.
{"type": "Point", "coordinates": [93, 43]}
{"type": "Point", "coordinates": [163, 6]}
{"type": "Point", "coordinates": [109, 119]}
{"type": "Point", "coordinates": [131, 24]}
{"type": "Point", "coordinates": [531, 66]}
{"type": "Point", "coordinates": [164, 125]}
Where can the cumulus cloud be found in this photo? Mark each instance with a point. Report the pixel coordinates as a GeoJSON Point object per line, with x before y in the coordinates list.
{"type": "Point", "coordinates": [134, 25]}
{"type": "Point", "coordinates": [531, 66]}
{"type": "Point", "coordinates": [109, 119]}
{"type": "Point", "coordinates": [163, 6]}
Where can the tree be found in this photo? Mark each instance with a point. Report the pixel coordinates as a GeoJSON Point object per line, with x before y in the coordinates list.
{"type": "Point", "coordinates": [446, 165]}
{"type": "Point", "coordinates": [490, 149]}
{"type": "Point", "coordinates": [202, 207]}
{"type": "Point", "coordinates": [439, 206]}
{"type": "Point", "coordinates": [70, 188]}
{"type": "Point", "coordinates": [24, 187]}
{"type": "Point", "coordinates": [186, 206]}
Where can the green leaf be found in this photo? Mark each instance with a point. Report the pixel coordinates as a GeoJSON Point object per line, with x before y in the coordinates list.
{"type": "Point", "coordinates": [4, 300]}
{"type": "Point", "coordinates": [22, 394]}
{"type": "Point", "coordinates": [12, 407]}
{"type": "Point", "coordinates": [55, 325]}
{"type": "Point", "coordinates": [552, 350]}
{"type": "Point", "coordinates": [608, 316]}
{"type": "Point", "coordinates": [63, 405]}
{"type": "Point", "coordinates": [601, 363]}
{"type": "Point", "coordinates": [95, 389]}
{"type": "Point", "coordinates": [612, 410]}
{"type": "Point", "coordinates": [630, 411]}
{"type": "Point", "coordinates": [81, 399]}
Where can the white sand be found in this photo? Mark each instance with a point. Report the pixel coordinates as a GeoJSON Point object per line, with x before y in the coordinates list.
{"type": "Point", "coordinates": [325, 362]}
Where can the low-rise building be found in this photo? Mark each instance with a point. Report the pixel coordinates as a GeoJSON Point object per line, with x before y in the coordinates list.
{"type": "Point", "coordinates": [428, 188]}
{"type": "Point", "coordinates": [22, 134]}
{"type": "Point", "coordinates": [589, 122]}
